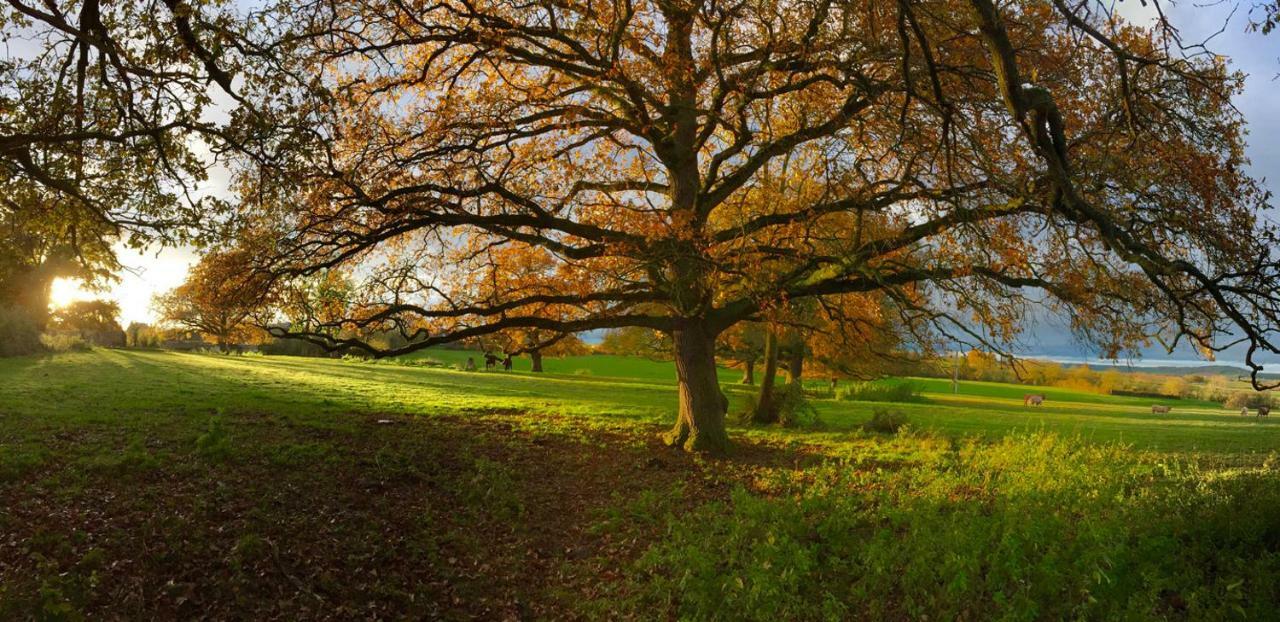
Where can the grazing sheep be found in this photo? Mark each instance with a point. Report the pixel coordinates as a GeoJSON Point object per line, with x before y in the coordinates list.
{"type": "Point", "coordinates": [1160, 410]}
{"type": "Point", "coordinates": [1033, 399]}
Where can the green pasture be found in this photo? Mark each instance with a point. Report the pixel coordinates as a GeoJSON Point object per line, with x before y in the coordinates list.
{"type": "Point", "coordinates": [113, 387]}
{"type": "Point", "coordinates": [157, 485]}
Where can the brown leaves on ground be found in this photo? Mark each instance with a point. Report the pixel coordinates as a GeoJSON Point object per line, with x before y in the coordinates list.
{"type": "Point", "coordinates": [455, 518]}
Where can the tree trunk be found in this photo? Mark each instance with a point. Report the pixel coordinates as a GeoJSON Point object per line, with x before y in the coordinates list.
{"type": "Point", "coordinates": [32, 289]}
{"type": "Point", "coordinates": [536, 357]}
{"type": "Point", "coordinates": [766, 410]}
{"type": "Point", "coordinates": [795, 363]}
{"type": "Point", "coordinates": [749, 372]}
{"type": "Point", "coordinates": [700, 422]}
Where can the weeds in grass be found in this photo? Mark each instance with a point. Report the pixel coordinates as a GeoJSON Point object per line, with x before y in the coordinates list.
{"type": "Point", "coordinates": [215, 443]}
{"type": "Point", "coordinates": [648, 508]}
{"type": "Point", "coordinates": [132, 459]}
{"type": "Point", "coordinates": [1034, 527]}
{"type": "Point", "coordinates": [298, 454]}
{"type": "Point", "coordinates": [493, 488]}
{"type": "Point", "coordinates": [17, 461]}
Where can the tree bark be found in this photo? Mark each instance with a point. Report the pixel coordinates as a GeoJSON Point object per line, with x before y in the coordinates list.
{"type": "Point", "coordinates": [32, 289]}
{"type": "Point", "coordinates": [749, 372]}
{"type": "Point", "coordinates": [795, 363]}
{"type": "Point", "coordinates": [536, 357]}
{"type": "Point", "coordinates": [766, 410]}
{"type": "Point", "coordinates": [700, 421]}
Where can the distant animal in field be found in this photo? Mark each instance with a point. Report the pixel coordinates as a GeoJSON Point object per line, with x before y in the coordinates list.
{"type": "Point", "coordinates": [471, 363]}
{"type": "Point", "coordinates": [1264, 411]}
{"type": "Point", "coordinates": [490, 360]}
{"type": "Point", "coordinates": [506, 363]}
{"type": "Point", "coordinates": [1033, 399]}
{"type": "Point", "coordinates": [1159, 410]}
{"type": "Point", "coordinates": [1244, 412]}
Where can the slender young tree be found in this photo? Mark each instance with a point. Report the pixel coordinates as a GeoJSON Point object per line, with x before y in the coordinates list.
{"type": "Point", "coordinates": [1010, 155]}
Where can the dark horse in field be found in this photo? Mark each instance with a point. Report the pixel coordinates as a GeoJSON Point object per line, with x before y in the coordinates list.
{"type": "Point", "coordinates": [490, 360]}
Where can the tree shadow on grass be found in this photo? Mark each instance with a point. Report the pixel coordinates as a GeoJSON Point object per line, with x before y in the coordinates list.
{"type": "Point", "coordinates": [352, 513]}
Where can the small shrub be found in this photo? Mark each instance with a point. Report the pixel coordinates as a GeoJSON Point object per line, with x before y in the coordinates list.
{"type": "Point", "coordinates": [793, 409]}
{"type": "Point", "coordinates": [880, 392]}
{"type": "Point", "coordinates": [64, 342]}
{"type": "Point", "coordinates": [885, 421]}
{"type": "Point", "coordinates": [1249, 399]}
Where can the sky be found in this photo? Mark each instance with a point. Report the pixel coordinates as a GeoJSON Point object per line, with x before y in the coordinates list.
{"type": "Point", "coordinates": [157, 270]}
{"type": "Point", "coordinates": [145, 274]}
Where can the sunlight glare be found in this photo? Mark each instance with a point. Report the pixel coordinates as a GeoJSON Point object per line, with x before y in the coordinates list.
{"type": "Point", "coordinates": [65, 291]}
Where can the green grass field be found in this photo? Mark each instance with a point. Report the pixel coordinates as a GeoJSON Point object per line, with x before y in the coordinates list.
{"type": "Point", "coordinates": [979, 408]}
{"type": "Point", "coordinates": [152, 484]}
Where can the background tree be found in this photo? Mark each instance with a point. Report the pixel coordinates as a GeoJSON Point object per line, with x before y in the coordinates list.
{"type": "Point", "coordinates": [636, 341]}
{"type": "Point", "coordinates": [744, 344]}
{"type": "Point", "coordinates": [318, 302]}
{"type": "Point", "coordinates": [95, 321]}
{"type": "Point", "coordinates": [1029, 152]}
{"type": "Point", "coordinates": [142, 335]}
{"type": "Point", "coordinates": [105, 133]}
{"type": "Point", "coordinates": [39, 243]}
{"type": "Point", "coordinates": [493, 273]}
{"type": "Point", "coordinates": [223, 298]}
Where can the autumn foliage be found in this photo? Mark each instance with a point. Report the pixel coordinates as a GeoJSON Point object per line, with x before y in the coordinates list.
{"type": "Point", "coordinates": [222, 299]}
{"type": "Point", "coordinates": [923, 170]}
{"type": "Point", "coordinates": [539, 170]}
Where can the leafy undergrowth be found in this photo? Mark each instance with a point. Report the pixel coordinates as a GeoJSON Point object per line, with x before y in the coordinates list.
{"type": "Point", "coordinates": [180, 502]}
{"type": "Point", "coordinates": [1031, 528]}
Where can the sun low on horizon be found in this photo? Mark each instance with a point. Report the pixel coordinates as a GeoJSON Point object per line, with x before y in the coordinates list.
{"type": "Point", "coordinates": [65, 291]}
{"type": "Point", "coordinates": [144, 274]}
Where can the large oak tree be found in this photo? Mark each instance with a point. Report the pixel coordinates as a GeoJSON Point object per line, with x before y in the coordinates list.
{"type": "Point", "coordinates": [1008, 154]}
